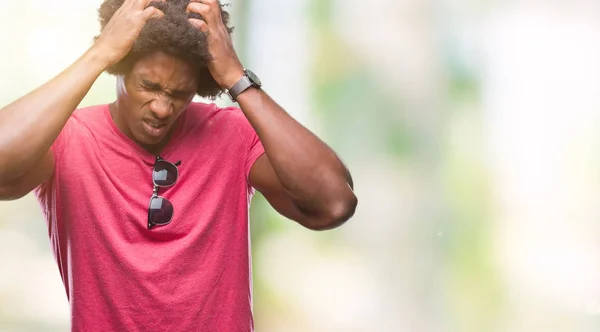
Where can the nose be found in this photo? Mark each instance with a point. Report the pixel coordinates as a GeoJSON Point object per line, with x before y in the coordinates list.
{"type": "Point", "coordinates": [161, 108]}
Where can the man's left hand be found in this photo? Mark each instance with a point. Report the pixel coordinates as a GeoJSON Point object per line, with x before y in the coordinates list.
{"type": "Point", "coordinates": [225, 66]}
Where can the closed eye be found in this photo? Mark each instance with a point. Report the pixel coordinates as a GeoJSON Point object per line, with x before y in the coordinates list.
{"type": "Point", "coordinates": [150, 86]}
{"type": "Point", "coordinates": [156, 87]}
{"type": "Point", "coordinates": [178, 94]}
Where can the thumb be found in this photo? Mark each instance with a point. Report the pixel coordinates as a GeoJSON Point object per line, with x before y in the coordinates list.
{"type": "Point", "coordinates": [152, 12]}
{"type": "Point", "coordinates": [199, 24]}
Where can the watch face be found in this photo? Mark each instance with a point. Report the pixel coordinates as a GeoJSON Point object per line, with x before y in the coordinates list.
{"type": "Point", "coordinates": [253, 78]}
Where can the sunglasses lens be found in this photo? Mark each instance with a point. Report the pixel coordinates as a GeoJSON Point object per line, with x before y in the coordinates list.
{"type": "Point", "coordinates": [164, 174]}
{"type": "Point", "coordinates": [160, 211]}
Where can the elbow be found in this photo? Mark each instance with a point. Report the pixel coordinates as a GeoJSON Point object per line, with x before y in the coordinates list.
{"type": "Point", "coordinates": [9, 193]}
{"type": "Point", "coordinates": [5, 178]}
{"type": "Point", "coordinates": [338, 213]}
{"type": "Point", "coordinates": [4, 171]}
{"type": "Point", "coordinates": [7, 168]}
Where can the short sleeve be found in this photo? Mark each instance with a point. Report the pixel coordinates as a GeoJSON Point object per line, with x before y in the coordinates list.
{"type": "Point", "coordinates": [250, 139]}
{"type": "Point", "coordinates": [57, 149]}
{"type": "Point", "coordinates": [255, 150]}
{"type": "Point", "coordinates": [63, 138]}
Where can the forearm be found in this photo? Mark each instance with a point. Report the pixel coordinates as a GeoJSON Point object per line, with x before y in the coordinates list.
{"type": "Point", "coordinates": [311, 173]}
{"type": "Point", "coordinates": [29, 126]}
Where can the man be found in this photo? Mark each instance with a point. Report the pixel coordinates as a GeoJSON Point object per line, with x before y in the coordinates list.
{"type": "Point", "coordinates": [147, 198]}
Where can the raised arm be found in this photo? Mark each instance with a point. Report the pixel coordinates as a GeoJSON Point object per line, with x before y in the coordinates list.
{"type": "Point", "coordinates": [30, 125]}
{"type": "Point", "coordinates": [301, 177]}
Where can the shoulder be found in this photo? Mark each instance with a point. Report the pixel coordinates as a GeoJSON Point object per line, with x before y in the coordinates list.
{"type": "Point", "coordinates": [85, 119]}
{"type": "Point", "coordinates": [199, 112]}
{"type": "Point", "coordinates": [210, 120]}
{"type": "Point", "coordinates": [90, 117]}
{"type": "Point", "coordinates": [225, 118]}
{"type": "Point", "coordinates": [90, 113]}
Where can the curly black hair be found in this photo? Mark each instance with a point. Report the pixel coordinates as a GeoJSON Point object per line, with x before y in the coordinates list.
{"type": "Point", "coordinates": [172, 34]}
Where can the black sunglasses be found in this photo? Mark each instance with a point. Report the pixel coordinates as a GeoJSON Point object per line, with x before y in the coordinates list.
{"type": "Point", "coordinates": [160, 210]}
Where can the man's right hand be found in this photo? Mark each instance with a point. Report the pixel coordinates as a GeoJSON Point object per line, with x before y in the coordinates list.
{"type": "Point", "coordinates": [30, 125]}
{"type": "Point", "coordinates": [119, 35]}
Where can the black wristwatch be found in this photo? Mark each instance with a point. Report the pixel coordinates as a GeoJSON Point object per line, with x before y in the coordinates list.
{"type": "Point", "coordinates": [248, 80]}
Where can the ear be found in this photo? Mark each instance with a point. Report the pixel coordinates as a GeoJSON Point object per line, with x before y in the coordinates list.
{"type": "Point", "coordinates": [121, 88]}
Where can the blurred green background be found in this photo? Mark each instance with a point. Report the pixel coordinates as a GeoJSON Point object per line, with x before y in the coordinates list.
{"type": "Point", "coordinates": [471, 129]}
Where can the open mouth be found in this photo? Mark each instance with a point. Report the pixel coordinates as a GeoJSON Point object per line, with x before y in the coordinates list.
{"type": "Point", "coordinates": [155, 129]}
{"type": "Point", "coordinates": [156, 125]}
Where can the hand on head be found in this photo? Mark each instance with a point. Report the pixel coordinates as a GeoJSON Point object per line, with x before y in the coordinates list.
{"type": "Point", "coordinates": [225, 66]}
{"type": "Point", "coordinates": [119, 34]}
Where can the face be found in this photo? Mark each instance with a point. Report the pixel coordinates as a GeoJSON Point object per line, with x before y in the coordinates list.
{"type": "Point", "coordinates": [152, 96]}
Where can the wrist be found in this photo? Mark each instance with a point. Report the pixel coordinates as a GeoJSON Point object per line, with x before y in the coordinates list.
{"type": "Point", "coordinates": [248, 80]}
{"type": "Point", "coordinates": [231, 78]}
{"type": "Point", "coordinates": [98, 58]}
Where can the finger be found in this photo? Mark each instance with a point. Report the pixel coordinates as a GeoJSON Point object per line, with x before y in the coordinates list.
{"type": "Point", "coordinates": [199, 24]}
{"type": "Point", "coordinates": [127, 4]}
{"type": "Point", "coordinates": [152, 12]}
{"type": "Point", "coordinates": [203, 10]}
{"type": "Point", "coordinates": [215, 5]}
{"type": "Point", "coordinates": [141, 4]}
{"type": "Point", "coordinates": [148, 2]}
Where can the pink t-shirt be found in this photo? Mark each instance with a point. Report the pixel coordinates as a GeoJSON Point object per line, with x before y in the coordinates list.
{"type": "Point", "coordinates": [193, 274]}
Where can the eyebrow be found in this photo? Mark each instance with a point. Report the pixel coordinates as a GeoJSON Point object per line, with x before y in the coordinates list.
{"type": "Point", "coordinates": [151, 84]}
{"type": "Point", "coordinates": [157, 86]}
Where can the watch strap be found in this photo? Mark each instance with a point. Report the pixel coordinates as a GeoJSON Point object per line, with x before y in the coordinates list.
{"type": "Point", "coordinates": [242, 85]}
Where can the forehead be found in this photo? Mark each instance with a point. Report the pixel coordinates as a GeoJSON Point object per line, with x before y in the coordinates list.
{"type": "Point", "coordinates": [166, 70]}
